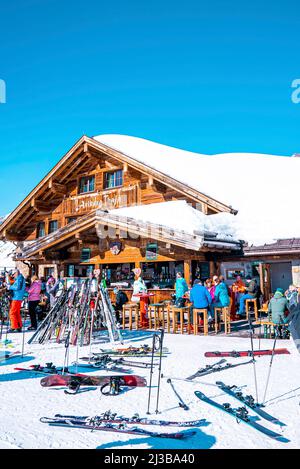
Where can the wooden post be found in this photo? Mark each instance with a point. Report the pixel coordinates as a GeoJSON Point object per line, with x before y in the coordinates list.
{"type": "Point", "coordinates": [187, 270]}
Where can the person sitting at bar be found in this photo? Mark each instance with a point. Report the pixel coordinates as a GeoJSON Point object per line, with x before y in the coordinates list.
{"type": "Point", "coordinates": [121, 299]}
{"type": "Point", "coordinates": [222, 299]}
{"type": "Point", "coordinates": [252, 293]}
{"type": "Point", "coordinates": [210, 287]}
{"type": "Point", "coordinates": [181, 287]}
{"type": "Point", "coordinates": [200, 297]}
{"type": "Point", "coordinates": [277, 309]}
{"type": "Point", "coordinates": [238, 286]}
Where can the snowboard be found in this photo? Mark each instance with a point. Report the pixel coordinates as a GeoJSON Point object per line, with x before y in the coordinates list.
{"type": "Point", "coordinates": [88, 380]}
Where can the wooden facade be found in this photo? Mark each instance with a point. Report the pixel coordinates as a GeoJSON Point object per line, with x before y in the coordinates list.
{"type": "Point", "coordinates": [58, 222]}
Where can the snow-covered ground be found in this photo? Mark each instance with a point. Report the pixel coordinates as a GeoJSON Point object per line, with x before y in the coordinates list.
{"type": "Point", "coordinates": [24, 401]}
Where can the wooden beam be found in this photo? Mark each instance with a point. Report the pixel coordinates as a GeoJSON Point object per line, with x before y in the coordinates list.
{"type": "Point", "coordinates": [40, 205]}
{"type": "Point", "coordinates": [57, 188]}
{"type": "Point", "coordinates": [187, 271]}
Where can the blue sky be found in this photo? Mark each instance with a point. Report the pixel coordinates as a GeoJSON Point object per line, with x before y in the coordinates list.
{"type": "Point", "coordinates": [208, 76]}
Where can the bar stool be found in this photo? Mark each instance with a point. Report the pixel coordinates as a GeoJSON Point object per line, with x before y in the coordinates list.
{"type": "Point", "coordinates": [224, 317]}
{"type": "Point", "coordinates": [181, 311]}
{"type": "Point", "coordinates": [129, 311]}
{"type": "Point", "coordinates": [254, 303]}
{"type": "Point", "coordinates": [166, 316]}
{"type": "Point", "coordinates": [155, 315]}
{"type": "Point", "coordinates": [196, 312]}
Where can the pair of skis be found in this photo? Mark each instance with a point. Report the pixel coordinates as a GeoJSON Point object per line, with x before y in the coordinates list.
{"type": "Point", "coordinates": [216, 367]}
{"type": "Point", "coordinates": [111, 422]}
{"type": "Point", "coordinates": [247, 353]}
{"type": "Point", "coordinates": [241, 414]}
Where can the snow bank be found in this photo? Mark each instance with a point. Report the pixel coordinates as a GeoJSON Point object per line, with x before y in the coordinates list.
{"type": "Point", "coordinates": [263, 188]}
{"type": "Point", "coordinates": [23, 396]}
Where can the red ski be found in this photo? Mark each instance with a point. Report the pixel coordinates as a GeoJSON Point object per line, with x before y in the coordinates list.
{"type": "Point", "coordinates": [247, 353]}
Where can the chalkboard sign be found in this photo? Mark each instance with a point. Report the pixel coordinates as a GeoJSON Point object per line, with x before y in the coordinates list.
{"type": "Point", "coordinates": [151, 251]}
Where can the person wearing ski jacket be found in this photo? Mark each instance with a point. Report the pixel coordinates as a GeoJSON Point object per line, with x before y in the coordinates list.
{"type": "Point", "coordinates": [17, 289]}
{"type": "Point", "coordinates": [34, 295]}
{"type": "Point", "coordinates": [181, 287]}
{"type": "Point", "coordinates": [200, 296]}
{"type": "Point", "coordinates": [277, 307]}
{"type": "Point", "coordinates": [221, 295]}
{"type": "Point", "coordinates": [121, 299]}
{"type": "Point", "coordinates": [292, 295]}
{"type": "Point", "coordinates": [252, 292]}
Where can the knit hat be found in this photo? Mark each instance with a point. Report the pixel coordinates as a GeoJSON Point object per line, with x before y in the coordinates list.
{"type": "Point", "coordinates": [280, 290]}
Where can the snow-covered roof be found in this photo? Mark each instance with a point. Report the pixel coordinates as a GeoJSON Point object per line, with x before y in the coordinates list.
{"type": "Point", "coordinates": [6, 250]}
{"type": "Point", "coordinates": [264, 188]}
{"type": "Point", "coordinates": [181, 216]}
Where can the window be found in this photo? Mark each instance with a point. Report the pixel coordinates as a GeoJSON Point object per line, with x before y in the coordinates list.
{"type": "Point", "coordinates": [114, 179]}
{"type": "Point", "coordinates": [87, 184]}
{"type": "Point", "coordinates": [48, 272]}
{"type": "Point", "coordinates": [40, 231]}
{"type": "Point", "coordinates": [70, 219]}
{"type": "Point", "coordinates": [53, 226]}
{"type": "Point", "coordinates": [85, 254]}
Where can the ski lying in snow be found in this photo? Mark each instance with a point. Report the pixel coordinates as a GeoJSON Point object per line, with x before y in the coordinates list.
{"type": "Point", "coordinates": [241, 414]}
{"type": "Point", "coordinates": [111, 417]}
{"type": "Point", "coordinates": [208, 369]}
{"type": "Point", "coordinates": [106, 360]}
{"type": "Point", "coordinates": [8, 355]}
{"type": "Point", "coordinates": [49, 369]}
{"type": "Point", "coordinates": [124, 350]}
{"type": "Point", "coordinates": [249, 402]}
{"type": "Point", "coordinates": [247, 353]}
{"type": "Point", "coordinates": [118, 428]}
{"type": "Point", "coordinates": [74, 381]}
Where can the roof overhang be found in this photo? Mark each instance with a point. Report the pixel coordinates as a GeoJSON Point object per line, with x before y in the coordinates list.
{"type": "Point", "coordinates": [54, 181]}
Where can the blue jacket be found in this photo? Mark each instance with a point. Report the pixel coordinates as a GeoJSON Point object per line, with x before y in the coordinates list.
{"type": "Point", "coordinates": [181, 287]}
{"type": "Point", "coordinates": [200, 296]}
{"type": "Point", "coordinates": [221, 295]}
{"type": "Point", "coordinates": [18, 288]}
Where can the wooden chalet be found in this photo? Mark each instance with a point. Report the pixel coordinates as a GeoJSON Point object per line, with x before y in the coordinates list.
{"type": "Point", "coordinates": [57, 226]}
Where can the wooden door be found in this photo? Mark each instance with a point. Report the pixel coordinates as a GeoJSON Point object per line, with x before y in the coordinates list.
{"type": "Point", "coordinates": [265, 280]}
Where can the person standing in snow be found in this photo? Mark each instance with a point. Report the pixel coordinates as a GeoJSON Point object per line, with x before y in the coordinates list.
{"type": "Point", "coordinates": [34, 292]}
{"type": "Point", "coordinates": [50, 291]}
{"type": "Point", "coordinates": [181, 287]}
{"type": "Point", "coordinates": [17, 289]}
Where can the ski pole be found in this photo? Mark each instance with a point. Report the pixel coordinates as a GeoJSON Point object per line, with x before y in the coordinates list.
{"type": "Point", "coordinates": [270, 366]}
{"type": "Point", "coordinates": [159, 368]}
{"type": "Point", "coordinates": [151, 373]}
{"type": "Point", "coordinates": [23, 327]}
{"type": "Point", "coordinates": [253, 359]}
{"type": "Point", "coordinates": [67, 343]}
